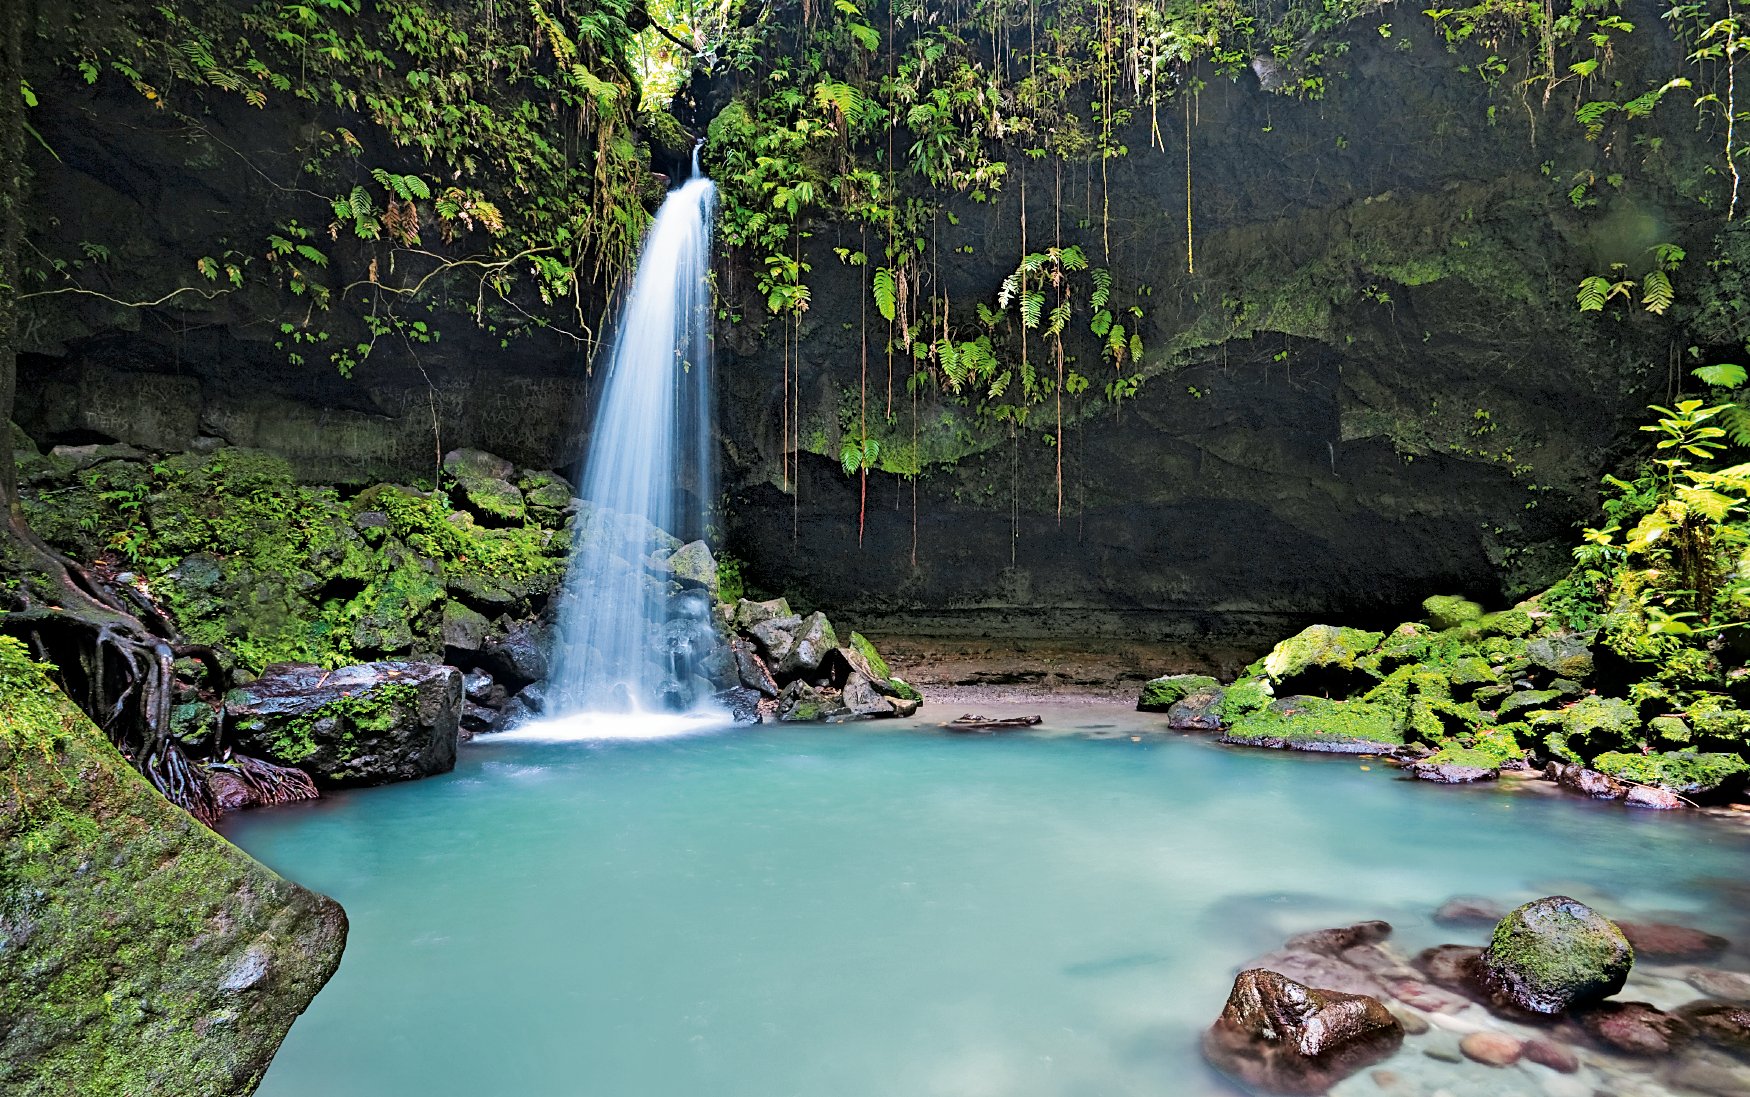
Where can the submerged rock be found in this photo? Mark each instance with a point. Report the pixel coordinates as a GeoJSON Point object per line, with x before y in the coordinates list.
{"type": "Point", "coordinates": [1553, 954]}
{"type": "Point", "coordinates": [1495, 1049]}
{"type": "Point", "coordinates": [360, 725]}
{"type": "Point", "coordinates": [1634, 1028]}
{"type": "Point", "coordinates": [140, 953]}
{"type": "Point", "coordinates": [1450, 773]}
{"type": "Point", "coordinates": [1280, 1035]}
{"type": "Point", "coordinates": [1731, 985]}
{"type": "Point", "coordinates": [1469, 910]}
{"type": "Point", "coordinates": [1724, 1024]}
{"type": "Point", "coordinates": [1666, 941]}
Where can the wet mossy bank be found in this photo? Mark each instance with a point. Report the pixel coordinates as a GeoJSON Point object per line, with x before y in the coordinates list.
{"type": "Point", "coordinates": [139, 951]}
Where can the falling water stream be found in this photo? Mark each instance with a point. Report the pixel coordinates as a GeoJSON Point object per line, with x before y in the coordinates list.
{"type": "Point", "coordinates": [624, 642]}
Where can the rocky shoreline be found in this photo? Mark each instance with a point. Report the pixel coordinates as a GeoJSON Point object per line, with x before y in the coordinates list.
{"type": "Point", "coordinates": [1548, 1005]}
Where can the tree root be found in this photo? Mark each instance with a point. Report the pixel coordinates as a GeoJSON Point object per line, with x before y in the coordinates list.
{"type": "Point", "coordinates": [113, 652]}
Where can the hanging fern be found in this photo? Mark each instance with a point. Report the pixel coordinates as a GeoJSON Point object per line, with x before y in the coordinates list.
{"type": "Point", "coordinates": [887, 293]}
{"type": "Point", "coordinates": [1724, 375]}
{"type": "Point", "coordinates": [1656, 292]}
{"type": "Point", "coordinates": [1102, 288]}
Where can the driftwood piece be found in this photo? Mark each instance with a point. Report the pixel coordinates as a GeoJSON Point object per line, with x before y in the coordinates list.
{"type": "Point", "coordinates": [970, 722]}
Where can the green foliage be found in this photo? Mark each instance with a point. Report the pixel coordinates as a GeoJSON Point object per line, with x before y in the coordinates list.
{"type": "Point", "coordinates": [246, 558]}
{"type": "Point", "coordinates": [508, 133]}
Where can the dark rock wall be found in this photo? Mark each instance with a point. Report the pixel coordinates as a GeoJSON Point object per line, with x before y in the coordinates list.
{"type": "Point", "coordinates": [1374, 387]}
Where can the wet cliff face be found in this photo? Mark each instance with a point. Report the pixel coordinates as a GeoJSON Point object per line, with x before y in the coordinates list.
{"type": "Point", "coordinates": [1374, 385]}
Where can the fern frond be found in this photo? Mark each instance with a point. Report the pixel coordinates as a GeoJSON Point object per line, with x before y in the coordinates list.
{"type": "Point", "coordinates": [887, 293]}
{"type": "Point", "coordinates": [1593, 293]}
{"type": "Point", "coordinates": [1656, 292]}
{"type": "Point", "coordinates": [1102, 288]}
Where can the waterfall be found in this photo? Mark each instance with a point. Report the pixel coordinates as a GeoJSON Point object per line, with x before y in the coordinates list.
{"type": "Point", "coordinates": [624, 642]}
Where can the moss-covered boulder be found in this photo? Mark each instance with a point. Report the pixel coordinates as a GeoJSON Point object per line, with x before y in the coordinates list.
{"type": "Point", "coordinates": [1161, 694]}
{"type": "Point", "coordinates": [1589, 727]}
{"type": "Point", "coordinates": [1687, 772]}
{"type": "Point", "coordinates": [1321, 657]}
{"type": "Point", "coordinates": [1450, 611]}
{"type": "Point", "coordinates": [1553, 954]}
{"type": "Point", "coordinates": [692, 565]}
{"type": "Point", "coordinates": [140, 953]}
{"type": "Point", "coordinates": [494, 502]}
{"type": "Point", "coordinates": [1517, 705]}
{"type": "Point", "coordinates": [1318, 724]}
{"type": "Point", "coordinates": [359, 725]}
{"type": "Point", "coordinates": [1568, 655]}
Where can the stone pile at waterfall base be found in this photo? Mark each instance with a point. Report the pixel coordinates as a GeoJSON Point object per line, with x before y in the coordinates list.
{"type": "Point", "coordinates": [799, 670]}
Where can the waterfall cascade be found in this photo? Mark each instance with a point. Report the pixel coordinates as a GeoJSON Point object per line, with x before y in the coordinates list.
{"type": "Point", "coordinates": [624, 641]}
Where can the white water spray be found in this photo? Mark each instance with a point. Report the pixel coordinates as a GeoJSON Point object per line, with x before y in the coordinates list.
{"type": "Point", "coordinates": [623, 643]}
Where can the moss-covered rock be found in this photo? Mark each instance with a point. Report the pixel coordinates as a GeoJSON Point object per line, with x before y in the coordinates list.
{"type": "Point", "coordinates": [692, 565]}
{"type": "Point", "coordinates": [1517, 705]}
{"type": "Point", "coordinates": [1687, 772]}
{"type": "Point", "coordinates": [1321, 656]}
{"type": "Point", "coordinates": [495, 502]}
{"type": "Point", "coordinates": [1568, 655]}
{"type": "Point", "coordinates": [359, 725]}
{"type": "Point", "coordinates": [1318, 724]}
{"type": "Point", "coordinates": [1161, 694]}
{"type": "Point", "coordinates": [143, 954]}
{"type": "Point", "coordinates": [1555, 953]}
{"type": "Point", "coordinates": [1589, 727]}
{"type": "Point", "coordinates": [1450, 611]}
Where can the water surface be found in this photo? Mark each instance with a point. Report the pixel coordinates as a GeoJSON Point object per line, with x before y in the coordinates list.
{"type": "Point", "coordinates": [882, 911]}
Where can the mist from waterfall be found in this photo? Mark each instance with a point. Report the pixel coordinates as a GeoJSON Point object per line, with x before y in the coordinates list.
{"type": "Point", "coordinates": [623, 639]}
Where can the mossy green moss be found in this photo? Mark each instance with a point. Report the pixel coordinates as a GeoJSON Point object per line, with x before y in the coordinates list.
{"type": "Point", "coordinates": [1449, 611]}
{"type": "Point", "coordinates": [1319, 648]}
{"type": "Point", "coordinates": [1318, 723]}
{"type": "Point", "coordinates": [1686, 772]}
{"type": "Point", "coordinates": [144, 953]}
{"type": "Point", "coordinates": [245, 557]}
{"type": "Point", "coordinates": [871, 656]}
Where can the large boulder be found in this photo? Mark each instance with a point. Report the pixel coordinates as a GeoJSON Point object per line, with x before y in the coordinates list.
{"type": "Point", "coordinates": [748, 613]}
{"type": "Point", "coordinates": [1565, 656]}
{"type": "Point", "coordinates": [1553, 954]}
{"type": "Point", "coordinates": [140, 953]}
{"type": "Point", "coordinates": [814, 639]}
{"type": "Point", "coordinates": [692, 565]}
{"type": "Point", "coordinates": [1161, 694]}
{"type": "Point", "coordinates": [359, 725]}
{"type": "Point", "coordinates": [861, 701]}
{"type": "Point", "coordinates": [1280, 1035]}
{"type": "Point", "coordinates": [1320, 658]}
{"type": "Point", "coordinates": [519, 656]}
{"type": "Point", "coordinates": [1318, 724]}
{"type": "Point", "coordinates": [1197, 711]}
{"type": "Point", "coordinates": [751, 670]}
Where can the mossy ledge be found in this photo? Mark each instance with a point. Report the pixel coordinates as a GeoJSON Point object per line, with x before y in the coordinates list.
{"type": "Point", "coordinates": [139, 951]}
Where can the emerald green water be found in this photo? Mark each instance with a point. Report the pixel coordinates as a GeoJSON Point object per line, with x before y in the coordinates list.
{"type": "Point", "coordinates": [884, 910]}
